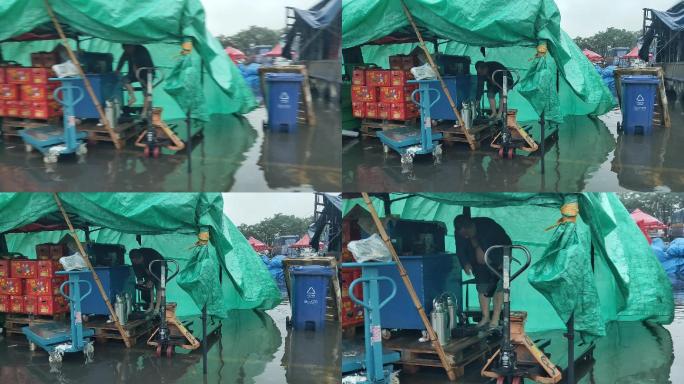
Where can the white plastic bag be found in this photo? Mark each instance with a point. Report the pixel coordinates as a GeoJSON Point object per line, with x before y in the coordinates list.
{"type": "Point", "coordinates": [423, 72]}
{"type": "Point", "coordinates": [72, 262]}
{"type": "Point", "coordinates": [370, 249]}
{"type": "Point", "coordinates": [66, 69]}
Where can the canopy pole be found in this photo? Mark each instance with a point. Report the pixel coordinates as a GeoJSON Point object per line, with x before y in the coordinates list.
{"type": "Point", "coordinates": [72, 232]}
{"type": "Point", "coordinates": [570, 335]}
{"type": "Point", "coordinates": [409, 287]}
{"type": "Point", "coordinates": [471, 140]}
{"type": "Point", "coordinates": [188, 147]}
{"type": "Point", "coordinates": [86, 81]}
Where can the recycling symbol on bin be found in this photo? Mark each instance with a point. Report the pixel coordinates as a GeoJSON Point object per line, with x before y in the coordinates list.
{"type": "Point", "coordinates": [311, 293]}
{"type": "Point", "coordinates": [640, 100]}
{"type": "Point", "coordinates": [284, 98]}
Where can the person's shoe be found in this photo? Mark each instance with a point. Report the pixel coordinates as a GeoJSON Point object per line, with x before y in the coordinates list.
{"type": "Point", "coordinates": [483, 323]}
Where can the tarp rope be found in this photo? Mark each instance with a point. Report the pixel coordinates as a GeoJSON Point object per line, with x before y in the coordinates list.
{"type": "Point", "coordinates": [569, 212]}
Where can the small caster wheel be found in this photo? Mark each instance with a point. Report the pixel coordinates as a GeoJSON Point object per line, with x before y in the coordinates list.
{"type": "Point", "coordinates": [386, 334]}
{"type": "Point", "coordinates": [511, 153]}
{"type": "Point", "coordinates": [157, 352]}
{"type": "Point", "coordinates": [82, 150]}
{"type": "Point", "coordinates": [169, 351]}
{"type": "Point", "coordinates": [155, 152]}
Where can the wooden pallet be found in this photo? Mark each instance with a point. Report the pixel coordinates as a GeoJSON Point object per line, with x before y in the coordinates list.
{"type": "Point", "coordinates": [662, 111]}
{"type": "Point", "coordinates": [97, 133]}
{"type": "Point", "coordinates": [452, 134]}
{"type": "Point", "coordinates": [460, 352]}
{"type": "Point", "coordinates": [15, 322]}
{"type": "Point", "coordinates": [12, 125]}
{"type": "Point", "coordinates": [369, 127]}
{"type": "Point", "coordinates": [334, 299]}
{"type": "Point", "coordinates": [137, 329]}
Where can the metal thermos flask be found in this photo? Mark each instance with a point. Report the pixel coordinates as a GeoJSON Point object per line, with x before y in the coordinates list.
{"type": "Point", "coordinates": [451, 309]}
{"type": "Point", "coordinates": [439, 318]}
{"type": "Point", "coordinates": [467, 115]}
{"type": "Point", "coordinates": [120, 309]}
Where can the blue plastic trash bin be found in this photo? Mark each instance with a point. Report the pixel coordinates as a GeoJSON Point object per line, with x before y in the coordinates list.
{"type": "Point", "coordinates": [115, 280]}
{"type": "Point", "coordinates": [283, 100]}
{"type": "Point", "coordinates": [309, 296]}
{"type": "Point", "coordinates": [638, 101]}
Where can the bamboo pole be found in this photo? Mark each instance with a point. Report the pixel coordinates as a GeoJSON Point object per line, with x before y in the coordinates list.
{"type": "Point", "coordinates": [65, 42]}
{"type": "Point", "coordinates": [409, 287]}
{"type": "Point", "coordinates": [471, 140]}
{"type": "Point", "coordinates": [72, 232]}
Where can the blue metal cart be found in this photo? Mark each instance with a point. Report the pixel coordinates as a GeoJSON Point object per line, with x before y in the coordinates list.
{"type": "Point", "coordinates": [57, 338]}
{"type": "Point", "coordinates": [54, 141]}
{"type": "Point", "coordinates": [409, 141]}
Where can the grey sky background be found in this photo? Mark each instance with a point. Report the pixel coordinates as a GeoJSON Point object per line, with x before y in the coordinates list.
{"type": "Point", "coordinates": [251, 208]}
{"type": "Point", "coordinates": [578, 17]}
{"type": "Point", "coordinates": [227, 17]}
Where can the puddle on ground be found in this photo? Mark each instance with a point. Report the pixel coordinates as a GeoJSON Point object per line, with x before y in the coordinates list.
{"type": "Point", "coordinates": [588, 155]}
{"type": "Point", "coordinates": [235, 154]}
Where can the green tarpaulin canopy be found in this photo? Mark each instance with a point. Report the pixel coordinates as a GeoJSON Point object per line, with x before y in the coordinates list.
{"type": "Point", "coordinates": [622, 281]}
{"type": "Point", "coordinates": [510, 31]}
{"type": "Point", "coordinates": [168, 222]}
{"type": "Point", "coordinates": [161, 25]}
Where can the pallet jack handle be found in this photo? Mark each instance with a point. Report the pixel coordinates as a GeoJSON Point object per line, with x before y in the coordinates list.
{"type": "Point", "coordinates": [61, 100]}
{"type": "Point", "coordinates": [70, 298]}
{"type": "Point", "coordinates": [150, 70]}
{"type": "Point", "coordinates": [366, 304]}
{"type": "Point", "coordinates": [166, 265]}
{"type": "Point", "coordinates": [514, 74]}
{"type": "Point", "coordinates": [418, 91]}
{"type": "Point", "coordinates": [510, 248]}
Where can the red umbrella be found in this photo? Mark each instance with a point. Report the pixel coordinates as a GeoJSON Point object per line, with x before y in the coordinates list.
{"type": "Point", "coordinates": [646, 222]}
{"type": "Point", "coordinates": [304, 243]}
{"type": "Point", "coordinates": [634, 54]}
{"type": "Point", "coordinates": [592, 56]}
{"type": "Point", "coordinates": [257, 245]}
{"type": "Point", "coordinates": [235, 54]}
{"type": "Point", "coordinates": [277, 51]}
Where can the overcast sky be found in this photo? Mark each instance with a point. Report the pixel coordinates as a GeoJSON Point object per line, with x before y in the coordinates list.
{"type": "Point", "coordinates": [227, 17]}
{"type": "Point", "coordinates": [251, 208]}
{"type": "Point", "coordinates": [579, 17]}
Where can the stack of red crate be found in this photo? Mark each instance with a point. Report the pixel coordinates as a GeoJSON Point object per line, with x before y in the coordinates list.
{"type": "Point", "coordinates": [31, 287]}
{"type": "Point", "coordinates": [383, 94]}
{"type": "Point", "coordinates": [27, 93]}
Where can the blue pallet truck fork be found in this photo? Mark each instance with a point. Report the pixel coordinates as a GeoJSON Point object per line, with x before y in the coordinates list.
{"type": "Point", "coordinates": [57, 338]}
{"type": "Point", "coordinates": [377, 363]}
{"type": "Point", "coordinates": [53, 141]}
{"type": "Point", "coordinates": [408, 141]}
{"type": "Point", "coordinates": [518, 358]}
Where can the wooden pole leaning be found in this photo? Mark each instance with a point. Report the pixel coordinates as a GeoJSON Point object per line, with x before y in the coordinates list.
{"type": "Point", "coordinates": [112, 313]}
{"type": "Point", "coordinates": [409, 287]}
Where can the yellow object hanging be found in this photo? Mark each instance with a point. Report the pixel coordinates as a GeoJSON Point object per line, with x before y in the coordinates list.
{"type": "Point", "coordinates": [542, 50]}
{"type": "Point", "coordinates": [569, 212]}
{"type": "Point", "coordinates": [202, 239]}
{"type": "Point", "coordinates": [187, 48]}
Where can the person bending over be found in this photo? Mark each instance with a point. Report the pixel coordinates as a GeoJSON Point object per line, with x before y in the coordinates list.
{"type": "Point", "coordinates": [137, 57]}
{"type": "Point", "coordinates": [146, 282]}
{"type": "Point", "coordinates": [485, 70]}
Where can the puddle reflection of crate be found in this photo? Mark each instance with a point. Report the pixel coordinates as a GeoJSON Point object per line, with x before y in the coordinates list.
{"type": "Point", "coordinates": [139, 329]}
{"type": "Point", "coordinates": [460, 352]}
{"type": "Point", "coordinates": [14, 322]}
{"type": "Point", "coordinates": [370, 127]}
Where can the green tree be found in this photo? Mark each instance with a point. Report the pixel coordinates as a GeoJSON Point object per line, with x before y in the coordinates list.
{"type": "Point", "coordinates": [611, 37]}
{"type": "Point", "coordinates": [269, 229]}
{"type": "Point", "coordinates": [658, 205]}
{"type": "Point", "coordinates": [253, 35]}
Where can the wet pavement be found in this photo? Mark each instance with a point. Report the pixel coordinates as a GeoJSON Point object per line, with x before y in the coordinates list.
{"type": "Point", "coordinates": [588, 155]}
{"type": "Point", "coordinates": [253, 347]}
{"type": "Point", "coordinates": [236, 154]}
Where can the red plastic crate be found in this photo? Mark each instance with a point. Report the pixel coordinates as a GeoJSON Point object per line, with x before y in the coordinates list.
{"type": "Point", "coordinates": [40, 75]}
{"type": "Point", "coordinates": [359, 76]}
{"type": "Point", "coordinates": [396, 94]}
{"type": "Point", "coordinates": [372, 110]}
{"type": "Point", "coordinates": [47, 268]}
{"type": "Point", "coordinates": [18, 75]}
{"type": "Point", "coordinates": [51, 305]}
{"type": "Point", "coordinates": [16, 304]}
{"type": "Point", "coordinates": [364, 93]}
{"type": "Point", "coordinates": [9, 92]}
{"type": "Point", "coordinates": [378, 78]}
{"type": "Point", "coordinates": [57, 251]}
{"type": "Point", "coordinates": [17, 109]}
{"type": "Point", "coordinates": [4, 303]}
{"type": "Point", "coordinates": [403, 62]}
{"type": "Point", "coordinates": [43, 251]}
{"type": "Point", "coordinates": [11, 286]}
{"type": "Point", "coordinates": [403, 111]}
{"type": "Point", "coordinates": [38, 92]}
{"type": "Point", "coordinates": [384, 110]}
{"type": "Point", "coordinates": [43, 286]}
{"type": "Point", "coordinates": [26, 269]}
{"type": "Point", "coordinates": [44, 110]}
{"type": "Point", "coordinates": [359, 109]}
{"type": "Point", "coordinates": [2, 75]}
{"type": "Point", "coordinates": [30, 304]}
{"type": "Point", "coordinates": [399, 78]}
{"type": "Point", "coordinates": [352, 314]}
{"type": "Point", "coordinates": [4, 268]}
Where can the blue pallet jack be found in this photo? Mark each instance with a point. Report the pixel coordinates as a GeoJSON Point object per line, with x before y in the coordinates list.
{"type": "Point", "coordinates": [408, 141]}
{"type": "Point", "coordinates": [376, 362]}
{"type": "Point", "coordinates": [54, 141]}
{"type": "Point", "coordinates": [57, 338]}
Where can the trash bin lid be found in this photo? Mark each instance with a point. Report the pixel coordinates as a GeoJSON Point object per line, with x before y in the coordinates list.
{"type": "Point", "coordinates": [640, 79]}
{"type": "Point", "coordinates": [284, 77]}
{"type": "Point", "coordinates": [314, 270]}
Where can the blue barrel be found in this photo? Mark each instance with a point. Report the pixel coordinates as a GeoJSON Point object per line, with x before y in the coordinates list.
{"type": "Point", "coordinates": [638, 101]}
{"type": "Point", "coordinates": [283, 100]}
{"type": "Point", "coordinates": [309, 296]}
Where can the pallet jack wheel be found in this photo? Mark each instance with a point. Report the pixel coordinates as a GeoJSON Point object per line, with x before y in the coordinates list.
{"type": "Point", "coordinates": [147, 151]}
{"type": "Point", "coordinates": [169, 350]}
{"type": "Point", "coordinates": [500, 380]}
{"type": "Point", "coordinates": [511, 153]}
{"type": "Point", "coordinates": [155, 152]}
{"type": "Point", "coordinates": [516, 380]}
{"type": "Point", "coordinates": [157, 352]}
{"type": "Point", "coordinates": [501, 152]}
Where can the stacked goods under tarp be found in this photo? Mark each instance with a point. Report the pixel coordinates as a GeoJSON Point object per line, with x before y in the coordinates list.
{"type": "Point", "coordinates": [27, 92]}
{"type": "Point", "coordinates": [523, 35]}
{"type": "Point", "coordinates": [384, 94]}
{"type": "Point", "coordinates": [620, 280]}
{"type": "Point", "coordinates": [169, 223]}
{"type": "Point", "coordinates": [160, 25]}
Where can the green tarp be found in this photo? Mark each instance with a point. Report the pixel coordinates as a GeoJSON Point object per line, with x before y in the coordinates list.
{"type": "Point", "coordinates": [510, 31]}
{"type": "Point", "coordinates": [168, 222]}
{"type": "Point", "coordinates": [625, 282]}
{"type": "Point", "coordinates": [161, 25]}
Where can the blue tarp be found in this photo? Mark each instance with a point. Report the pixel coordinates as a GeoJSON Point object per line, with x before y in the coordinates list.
{"type": "Point", "coordinates": [250, 73]}
{"type": "Point", "coordinates": [608, 77]}
{"type": "Point", "coordinates": [275, 268]}
{"type": "Point", "coordinates": [672, 259]}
